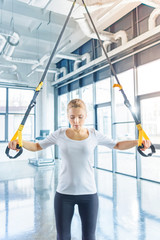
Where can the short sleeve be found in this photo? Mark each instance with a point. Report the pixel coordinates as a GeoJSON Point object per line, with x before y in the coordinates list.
{"type": "Point", "coordinates": [104, 140]}
{"type": "Point", "coordinates": [50, 140]}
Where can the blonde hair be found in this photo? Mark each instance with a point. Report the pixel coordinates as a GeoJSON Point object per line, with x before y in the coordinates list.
{"type": "Point", "coordinates": [75, 103]}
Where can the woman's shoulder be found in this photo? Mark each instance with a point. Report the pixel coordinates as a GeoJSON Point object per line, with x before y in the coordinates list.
{"type": "Point", "coordinates": [95, 133]}
{"type": "Point", "coordinates": [59, 131]}
{"type": "Point", "coordinates": [92, 130]}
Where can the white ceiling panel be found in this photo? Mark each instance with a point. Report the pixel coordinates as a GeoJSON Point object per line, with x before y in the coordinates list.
{"type": "Point", "coordinates": [38, 24]}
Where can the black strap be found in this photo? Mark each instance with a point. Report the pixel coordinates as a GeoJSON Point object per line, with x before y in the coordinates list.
{"type": "Point", "coordinates": [153, 150]}
{"type": "Point", "coordinates": [126, 101]}
{"type": "Point", "coordinates": [17, 155]}
{"type": "Point", "coordinates": [33, 101]}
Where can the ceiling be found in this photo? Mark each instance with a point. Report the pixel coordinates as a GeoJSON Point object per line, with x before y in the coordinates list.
{"type": "Point", "coordinates": [29, 30]}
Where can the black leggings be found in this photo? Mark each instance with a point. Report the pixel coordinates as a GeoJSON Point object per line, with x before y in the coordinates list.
{"type": "Point", "coordinates": [64, 210]}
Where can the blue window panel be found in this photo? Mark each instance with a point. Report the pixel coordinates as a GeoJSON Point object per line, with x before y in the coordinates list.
{"type": "Point", "coordinates": [148, 55]}
{"type": "Point", "coordinates": [58, 65]}
{"type": "Point", "coordinates": [63, 90]}
{"type": "Point", "coordinates": [87, 80]}
{"type": "Point", "coordinates": [144, 11]}
{"type": "Point", "coordinates": [62, 63]}
{"type": "Point", "coordinates": [74, 85]}
{"type": "Point", "coordinates": [124, 65]}
{"type": "Point", "coordinates": [102, 74]}
{"type": "Point", "coordinates": [87, 47]}
{"type": "Point", "coordinates": [76, 51]}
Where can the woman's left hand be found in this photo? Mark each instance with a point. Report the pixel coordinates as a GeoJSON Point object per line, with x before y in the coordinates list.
{"type": "Point", "coordinates": [146, 144]}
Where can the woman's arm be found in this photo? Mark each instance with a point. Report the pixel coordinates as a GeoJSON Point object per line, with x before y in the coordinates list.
{"type": "Point", "coordinates": [124, 145]}
{"type": "Point", "coordinates": [31, 146]}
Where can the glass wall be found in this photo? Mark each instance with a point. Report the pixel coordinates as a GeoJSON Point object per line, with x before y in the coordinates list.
{"type": "Point", "coordinates": [103, 91]}
{"type": "Point", "coordinates": [150, 114]}
{"type": "Point", "coordinates": [87, 97]}
{"type": "Point", "coordinates": [108, 114]}
{"type": "Point", "coordinates": [124, 125]}
{"type": "Point", "coordinates": [2, 113]}
{"type": "Point", "coordinates": [122, 114]}
{"type": "Point", "coordinates": [18, 101]}
{"type": "Point", "coordinates": [104, 156]}
{"type": "Point", "coordinates": [2, 124]}
{"type": "Point", "coordinates": [2, 100]}
{"type": "Point", "coordinates": [13, 105]}
{"type": "Point", "coordinates": [74, 94]}
{"type": "Point", "coordinates": [14, 121]}
{"type": "Point", "coordinates": [148, 77]}
{"type": "Point", "coordinates": [149, 101]}
{"type": "Point", "coordinates": [62, 120]}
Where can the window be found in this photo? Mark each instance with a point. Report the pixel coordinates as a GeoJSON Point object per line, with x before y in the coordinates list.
{"type": "Point", "coordinates": [13, 105]}
{"type": "Point", "coordinates": [103, 91]}
{"type": "Point", "coordinates": [104, 158]}
{"type": "Point", "coordinates": [148, 77]}
{"type": "Point", "coordinates": [14, 121]}
{"type": "Point", "coordinates": [124, 126]}
{"type": "Point", "coordinates": [126, 160]}
{"type": "Point", "coordinates": [121, 111]}
{"type": "Point", "coordinates": [150, 115]}
{"type": "Point", "coordinates": [112, 114]}
{"type": "Point", "coordinates": [2, 113]}
{"type": "Point", "coordinates": [2, 100]}
{"type": "Point", "coordinates": [19, 100]}
{"type": "Point", "coordinates": [2, 124]}
{"type": "Point", "coordinates": [74, 94]}
{"type": "Point", "coordinates": [87, 97]}
{"type": "Point", "coordinates": [17, 105]}
{"type": "Point", "coordinates": [62, 119]}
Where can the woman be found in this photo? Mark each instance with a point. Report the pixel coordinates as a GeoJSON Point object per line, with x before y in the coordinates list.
{"type": "Point", "coordinates": [76, 183]}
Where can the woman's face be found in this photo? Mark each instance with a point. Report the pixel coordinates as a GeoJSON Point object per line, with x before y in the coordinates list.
{"type": "Point", "coordinates": [77, 117]}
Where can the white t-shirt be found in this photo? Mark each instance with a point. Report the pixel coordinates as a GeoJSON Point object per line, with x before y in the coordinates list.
{"type": "Point", "coordinates": [76, 174]}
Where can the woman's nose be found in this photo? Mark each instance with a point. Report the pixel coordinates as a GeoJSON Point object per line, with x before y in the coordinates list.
{"type": "Point", "coordinates": [76, 120]}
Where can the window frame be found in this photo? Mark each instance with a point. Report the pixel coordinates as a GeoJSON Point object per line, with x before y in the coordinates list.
{"type": "Point", "coordinates": [6, 114]}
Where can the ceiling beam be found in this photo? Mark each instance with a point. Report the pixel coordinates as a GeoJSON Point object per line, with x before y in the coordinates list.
{"type": "Point", "coordinates": [34, 13]}
{"type": "Point", "coordinates": [151, 3]}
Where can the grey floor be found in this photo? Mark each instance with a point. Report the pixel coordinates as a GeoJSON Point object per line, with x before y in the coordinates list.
{"type": "Point", "coordinates": [129, 209]}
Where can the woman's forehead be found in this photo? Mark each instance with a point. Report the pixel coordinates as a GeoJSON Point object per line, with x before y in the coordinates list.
{"type": "Point", "coordinates": [77, 111]}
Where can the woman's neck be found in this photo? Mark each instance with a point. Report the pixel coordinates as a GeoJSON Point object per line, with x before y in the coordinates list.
{"type": "Point", "coordinates": [81, 134]}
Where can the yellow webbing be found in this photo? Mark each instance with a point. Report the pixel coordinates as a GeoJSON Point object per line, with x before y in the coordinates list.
{"type": "Point", "coordinates": [18, 135]}
{"type": "Point", "coordinates": [141, 135]}
{"type": "Point", "coordinates": [39, 86]}
{"type": "Point", "coordinates": [117, 85]}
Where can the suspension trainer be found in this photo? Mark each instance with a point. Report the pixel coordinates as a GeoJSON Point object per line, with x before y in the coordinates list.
{"type": "Point", "coordinates": [18, 134]}
{"type": "Point", "coordinates": [141, 132]}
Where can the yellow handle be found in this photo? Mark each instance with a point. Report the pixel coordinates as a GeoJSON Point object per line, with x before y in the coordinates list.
{"type": "Point", "coordinates": [142, 135]}
{"type": "Point", "coordinates": [18, 135]}
{"type": "Point", "coordinates": [118, 85]}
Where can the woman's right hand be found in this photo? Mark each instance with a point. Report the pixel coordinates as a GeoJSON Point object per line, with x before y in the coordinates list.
{"type": "Point", "coordinates": [13, 145]}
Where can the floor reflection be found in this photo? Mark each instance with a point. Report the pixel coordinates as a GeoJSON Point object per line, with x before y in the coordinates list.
{"type": "Point", "coordinates": [128, 209]}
